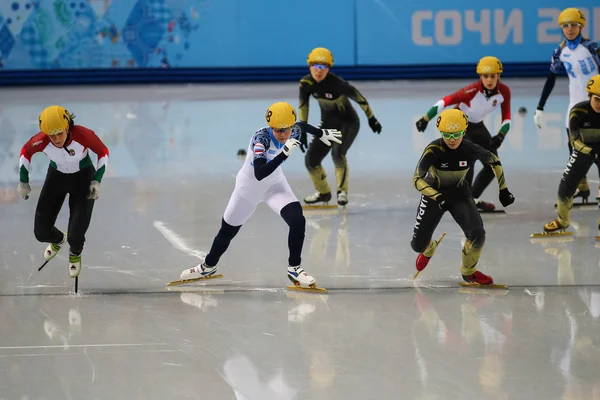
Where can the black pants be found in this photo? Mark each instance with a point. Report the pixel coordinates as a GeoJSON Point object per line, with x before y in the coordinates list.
{"type": "Point", "coordinates": [479, 134]}
{"type": "Point", "coordinates": [56, 187]}
{"type": "Point", "coordinates": [578, 166]}
{"type": "Point", "coordinates": [463, 210]}
{"type": "Point", "coordinates": [317, 150]}
{"type": "Point", "coordinates": [597, 162]}
{"type": "Point", "coordinates": [291, 214]}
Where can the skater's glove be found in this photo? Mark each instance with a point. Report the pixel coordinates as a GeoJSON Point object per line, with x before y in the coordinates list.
{"type": "Point", "coordinates": [506, 197]}
{"type": "Point", "coordinates": [422, 124]}
{"type": "Point", "coordinates": [538, 117]}
{"type": "Point", "coordinates": [24, 189]}
{"type": "Point", "coordinates": [441, 202]}
{"type": "Point", "coordinates": [375, 125]}
{"type": "Point", "coordinates": [289, 146]}
{"type": "Point", "coordinates": [497, 141]}
{"type": "Point", "coordinates": [331, 135]}
{"type": "Point", "coordinates": [94, 190]}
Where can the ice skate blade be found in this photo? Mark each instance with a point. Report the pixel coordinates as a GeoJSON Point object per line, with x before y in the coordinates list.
{"type": "Point", "coordinates": [184, 281]}
{"type": "Point", "coordinates": [320, 207]}
{"type": "Point", "coordinates": [479, 286]}
{"type": "Point", "coordinates": [438, 243]}
{"type": "Point", "coordinates": [312, 289]}
{"type": "Point", "coordinates": [492, 211]}
{"type": "Point", "coordinates": [550, 234]}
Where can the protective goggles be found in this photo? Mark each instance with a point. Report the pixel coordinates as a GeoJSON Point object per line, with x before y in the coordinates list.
{"type": "Point", "coordinates": [319, 66]}
{"type": "Point", "coordinates": [570, 25]}
{"type": "Point", "coordinates": [455, 135]}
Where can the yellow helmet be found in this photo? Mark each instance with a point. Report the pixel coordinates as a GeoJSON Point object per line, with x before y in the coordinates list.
{"type": "Point", "coordinates": [452, 121]}
{"type": "Point", "coordinates": [593, 86]}
{"type": "Point", "coordinates": [54, 119]}
{"type": "Point", "coordinates": [320, 55]}
{"type": "Point", "coordinates": [571, 15]}
{"type": "Point", "coordinates": [281, 115]}
{"type": "Point", "coordinates": [489, 65]}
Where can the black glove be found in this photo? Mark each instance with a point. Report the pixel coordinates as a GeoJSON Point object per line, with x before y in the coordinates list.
{"type": "Point", "coordinates": [422, 124]}
{"type": "Point", "coordinates": [497, 141]}
{"type": "Point", "coordinates": [303, 142]}
{"type": "Point", "coordinates": [375, 125]}
{"type": "Point", "coordinates": [441, 202]}
{"type": "Point", "coordinates": [506, 197]}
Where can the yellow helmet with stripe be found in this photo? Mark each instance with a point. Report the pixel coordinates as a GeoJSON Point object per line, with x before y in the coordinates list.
{"type": "Point", "coordinates": [320, 55]}
{"type": "Point", "coordinates": [452, 121]}
{"type": "Point", "coordinates": [571, 15]}
{"type": "Point", "coordinates": [489, 65]}
{"type": "Point", "coordinates": [593, 86]}
{"type": "Point", "coordinates": [54, 119]}
{"type": "Point", "coordinates": [281, 115]}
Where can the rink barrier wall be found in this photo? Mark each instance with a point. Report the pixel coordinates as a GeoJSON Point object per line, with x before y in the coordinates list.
{"type": "Point", "coordinates": [223, 75]}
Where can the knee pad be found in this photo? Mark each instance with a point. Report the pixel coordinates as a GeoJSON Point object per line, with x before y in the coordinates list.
{"type": "Point", "coordinates": [293, 216]}
{"type": "Point", "coordinates": [227, 231]}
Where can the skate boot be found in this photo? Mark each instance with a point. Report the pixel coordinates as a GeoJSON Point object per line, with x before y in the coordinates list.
{"type": "Point", "coordinates": [422, 259]}
{"type": "Point", "coordinates": [300, 278]}
{"type": "Point", "coordinates": [554, 227]}
{"type": "Point", "coordinates": [342, 197]}
{"type": "Point", "coordinates": [318, 198]}
{"type": "Point", "coordinates": [198, 272]}
{"type": "Point", "coordinates": [53, 249]}
{"type": "Point", "coordinates": [422, 262]}
{"type": "Point", "coordinates": [478, 277]}
{"type": "Point", "coordinates": [485, 206]}
{"type": "Point", "coordinates": [74, 265]}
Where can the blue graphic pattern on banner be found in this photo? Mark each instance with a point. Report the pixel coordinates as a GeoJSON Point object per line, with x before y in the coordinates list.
{"type": "Point", "coordinates": [91, 34]}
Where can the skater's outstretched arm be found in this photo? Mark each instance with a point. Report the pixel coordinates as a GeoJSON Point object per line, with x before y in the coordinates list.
{"type": "Point", "coordinates": [488, 158]}
{"type": "Point", "coordinates": [353, 93]}
{"type": "Point", "coordinates": [555, 68]}
{"type": "Point", "coordinates": [428, 158]}
{"type": "Point", "coordinates": [304, 98]}
{"type": "Point", "coordinates": [463, 95]}
{"type": "Point", "coordinates": [89, 139]}
{"type": "Point", "coordinates": [34, 145]}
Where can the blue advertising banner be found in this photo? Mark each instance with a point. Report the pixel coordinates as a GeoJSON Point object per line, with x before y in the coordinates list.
{"type": "Point", "coordinates": [100, 41]}
{"type": "Point", "coordinates": [458, 32]}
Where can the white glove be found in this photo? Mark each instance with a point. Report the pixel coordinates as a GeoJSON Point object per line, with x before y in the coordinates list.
{"type": "Point", "coordinates": [538, 117]}
{"type": "Point", "coordinates": [94, 190]}
{"type": "Point", "coordinates": [24, 189]}
{"type": "Point", "coordinates": [290, 145]}
{"type": "Point", "coordinates": [331, 135]}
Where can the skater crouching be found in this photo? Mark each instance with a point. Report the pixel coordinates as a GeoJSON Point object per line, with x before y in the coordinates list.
{"type": "Point", "coordinates": [262, 180]}
{"type": "Point", "coordinates": [440, 176]}
{"type": "Point", "coordinates": [584, 131]}
{"type": "Point", "coordinates": [70, 172]}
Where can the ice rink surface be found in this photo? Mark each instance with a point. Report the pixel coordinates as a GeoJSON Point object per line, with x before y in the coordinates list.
{"type": "Point", "coordinates": [375, 335]}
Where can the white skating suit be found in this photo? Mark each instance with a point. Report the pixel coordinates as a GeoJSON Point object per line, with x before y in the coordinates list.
{"type": "Point", "coordinates": [580, 62]}
{"type": "Point", "coordinates": [249, 191]}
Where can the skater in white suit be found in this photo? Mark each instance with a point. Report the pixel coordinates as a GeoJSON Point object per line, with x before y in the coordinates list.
{"type": "Point", "coordinates": [260, 179]}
